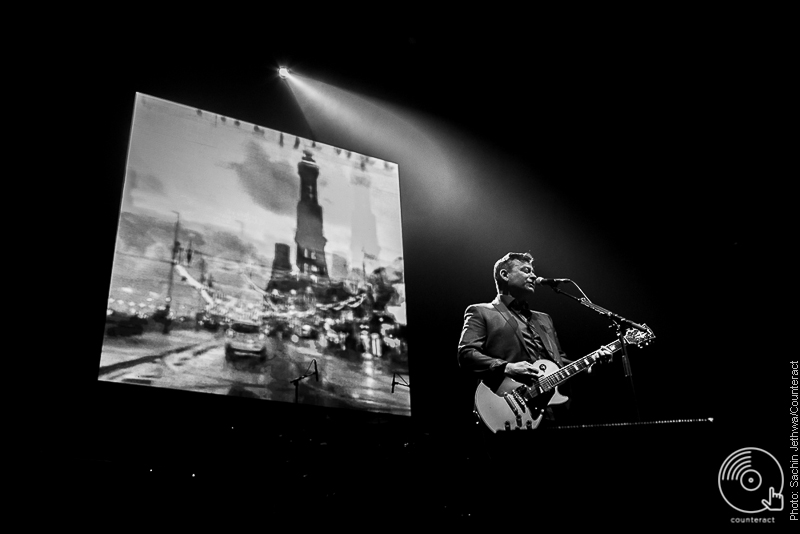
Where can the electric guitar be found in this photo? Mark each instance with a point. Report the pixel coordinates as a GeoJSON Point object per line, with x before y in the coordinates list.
{"type": "Point", "coordinates": [514, 406]}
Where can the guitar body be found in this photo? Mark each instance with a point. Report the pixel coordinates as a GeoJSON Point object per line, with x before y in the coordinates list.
{"type": "Point", "coordinates": [503, 410]}
{"type": "Point", "coordinates": [516, 406]}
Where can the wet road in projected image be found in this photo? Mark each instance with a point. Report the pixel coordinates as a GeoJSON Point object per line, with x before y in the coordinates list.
{"type": "Point", "coordinates": [194, 360]}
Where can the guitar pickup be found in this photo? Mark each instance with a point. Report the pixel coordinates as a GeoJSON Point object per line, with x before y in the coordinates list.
{"type": "Point", "coordinates": [520, 401]}
{"type": "Point", "coordinates": [511, 405]}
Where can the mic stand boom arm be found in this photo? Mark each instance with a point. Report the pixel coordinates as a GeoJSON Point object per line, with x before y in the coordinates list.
{"type": "Point", "coordinates": [602, 311]}
{"type": "Point", "coordinates": [613, 316]}
{"type": "Point", "coordinates": [618, 321]}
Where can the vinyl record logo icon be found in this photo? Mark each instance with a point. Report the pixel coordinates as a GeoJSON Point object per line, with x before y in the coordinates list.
{"type": "Point", "coordinates": [751, 481]}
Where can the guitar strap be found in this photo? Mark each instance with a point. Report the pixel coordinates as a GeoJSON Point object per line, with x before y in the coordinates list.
{"type": "Point", "coordinates": [534, 342]}
{"type": "Point", "coordinates": [547, 339]}
{"type": "Point", "coordinates": [535, 337]}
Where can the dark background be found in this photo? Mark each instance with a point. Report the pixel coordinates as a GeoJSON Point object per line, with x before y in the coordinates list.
{"type": "Point", "coordinates": [635, 159]}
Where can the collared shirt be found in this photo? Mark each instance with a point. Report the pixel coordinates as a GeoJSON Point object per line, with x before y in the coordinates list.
{"type": "Point", "coordinates": [522, 312]}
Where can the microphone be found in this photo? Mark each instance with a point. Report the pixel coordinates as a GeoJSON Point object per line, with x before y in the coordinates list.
{"type": "Point", "coordinates": [551, 281]}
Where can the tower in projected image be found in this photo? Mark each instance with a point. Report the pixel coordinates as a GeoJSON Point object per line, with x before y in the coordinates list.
{"type": "Point", "coordinates": [310, 241]}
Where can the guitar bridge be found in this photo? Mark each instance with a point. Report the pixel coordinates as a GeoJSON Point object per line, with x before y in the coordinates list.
{"type": "Point", "coordinates": [511, 401]}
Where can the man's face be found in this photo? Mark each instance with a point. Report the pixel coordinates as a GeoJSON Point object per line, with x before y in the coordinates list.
{"type": "Point", "coordinates": [521, 280]}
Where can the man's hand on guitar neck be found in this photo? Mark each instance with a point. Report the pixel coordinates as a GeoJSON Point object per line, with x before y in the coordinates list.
{"type": "Point", "coordinates": [605, 354]}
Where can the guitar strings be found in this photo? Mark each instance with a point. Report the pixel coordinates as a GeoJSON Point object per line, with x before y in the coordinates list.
{"type": "Point", "coordinates": [552, 380]}
{"type": "Point", "coordinates": [580, 365]}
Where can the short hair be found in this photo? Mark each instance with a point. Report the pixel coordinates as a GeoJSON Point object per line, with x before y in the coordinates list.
{"type": "Point", "coordinates": [506, 263]}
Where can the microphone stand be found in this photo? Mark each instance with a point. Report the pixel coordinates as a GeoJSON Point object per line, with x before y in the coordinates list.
{"type": "Point", "coordinates": [396, 383]}
{"type": "Point", "coordinates": [297, 380]}
{"type": "Point", "coordinates": [619, 323]}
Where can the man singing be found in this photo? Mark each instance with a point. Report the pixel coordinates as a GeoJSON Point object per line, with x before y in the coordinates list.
{"type": "Point", "coordinates": [504, 338]}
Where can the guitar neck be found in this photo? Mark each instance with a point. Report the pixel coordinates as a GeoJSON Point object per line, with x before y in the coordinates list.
{"type": "Point", "coordinates": [568, 371]}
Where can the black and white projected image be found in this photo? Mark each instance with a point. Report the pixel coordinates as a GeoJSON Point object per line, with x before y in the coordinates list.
{"type": "Point", "coordinates": [255, 263]}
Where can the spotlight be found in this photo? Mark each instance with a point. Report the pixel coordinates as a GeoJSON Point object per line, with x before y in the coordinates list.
{"type": "Point", "coordinates": [283, 72]}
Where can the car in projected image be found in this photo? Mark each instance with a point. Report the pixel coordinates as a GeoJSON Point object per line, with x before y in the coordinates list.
{"type": "Point", "coordinates": [125, 325]}
{"type": "Point", "coordinates": [245, 338]}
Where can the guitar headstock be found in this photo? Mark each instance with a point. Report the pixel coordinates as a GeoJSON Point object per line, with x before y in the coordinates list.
{"type": "Point", "coordinates": [634, 336]}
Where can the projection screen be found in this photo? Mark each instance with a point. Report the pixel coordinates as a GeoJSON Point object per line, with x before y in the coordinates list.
{"type": "Point", "coordinates": [255, 263]}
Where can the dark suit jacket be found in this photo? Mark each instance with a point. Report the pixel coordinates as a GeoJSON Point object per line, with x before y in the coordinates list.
{"type": "Point", "coordinates": [491, 337]}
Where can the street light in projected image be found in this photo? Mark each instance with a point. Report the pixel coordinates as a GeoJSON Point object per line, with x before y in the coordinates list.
{"type": "Point", "coordinates": [175, 252]}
